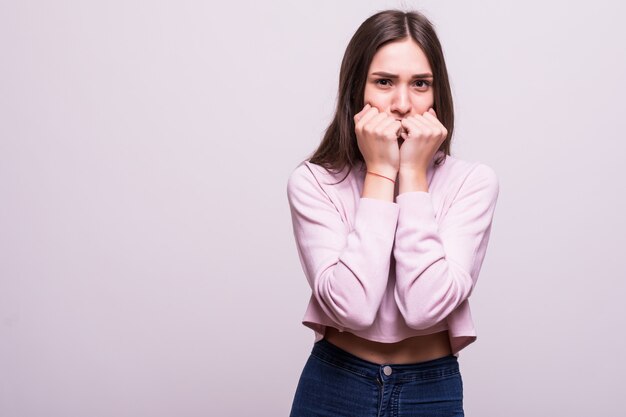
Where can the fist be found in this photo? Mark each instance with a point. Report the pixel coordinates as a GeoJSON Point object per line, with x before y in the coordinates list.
{"type": "Point", "coordinates": [377, 137]}
{"type": "Point", "coordinates": [423, 135]}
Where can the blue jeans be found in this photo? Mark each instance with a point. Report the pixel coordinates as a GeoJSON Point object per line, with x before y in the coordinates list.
{"type": "Point", "coordinates": [336, 383]}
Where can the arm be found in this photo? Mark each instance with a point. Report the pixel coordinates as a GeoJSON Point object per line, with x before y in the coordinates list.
{"type": "Point", "coordinates": [437, 266]}
{"type": "Point", "coordinates": [347, 269]}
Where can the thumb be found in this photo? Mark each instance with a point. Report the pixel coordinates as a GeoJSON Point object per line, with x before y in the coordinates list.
{"type": "Point", "coordinates": [432, 111]}
{"type": "Point", "coordinates": [358, 116]}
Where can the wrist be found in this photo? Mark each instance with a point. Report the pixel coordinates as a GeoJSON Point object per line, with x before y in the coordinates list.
{"type": "Point", "coordinates": [392, 179]}
{"type": "Point", "coordinates": [412, 171]}
{"type": "Point", "coordinates": [385, 171]}
{"type": "Point", "coordinates": [412, 180]}
{"type": "Point", "coordinates": [378, 187]}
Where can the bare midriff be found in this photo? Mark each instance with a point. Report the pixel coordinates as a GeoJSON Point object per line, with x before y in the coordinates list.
{"type": "Point", "coordinates": [412, 350]}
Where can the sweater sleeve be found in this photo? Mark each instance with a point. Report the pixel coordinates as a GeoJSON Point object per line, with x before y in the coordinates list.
{"type": "Point", "coordinates": [437, 266]}
{"type": "Point", "coordinates": [347, 268]}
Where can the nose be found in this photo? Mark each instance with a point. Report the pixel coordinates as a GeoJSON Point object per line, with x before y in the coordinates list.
{"type": "Point", "coordinates": [401, 104]}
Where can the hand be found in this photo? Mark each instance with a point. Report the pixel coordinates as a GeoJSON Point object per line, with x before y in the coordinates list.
{"type": "Point", "coordinates": [423, 135]}
{"type": "Point", "coordinates": [377, 137]}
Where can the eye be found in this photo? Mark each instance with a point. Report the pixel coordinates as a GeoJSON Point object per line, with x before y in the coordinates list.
{"type": "Point", "coordinates": [422, 84]}
{"type": "Point", "coordinates": [383, 82]}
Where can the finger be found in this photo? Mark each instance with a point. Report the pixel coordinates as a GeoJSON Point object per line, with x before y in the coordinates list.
{"type": "Point", "coordinates": [375, 123]}
{"type": "Point", "coordinates": [383, 123]}
{"type": "Point", "coordinates": [389, 128]}
{"type": "Point", "coordinates": [399, 128]}
{"type": "Point", "coordinates": [426, 128]}
{"type": "Point", "coordinates": [430, 114]}
{"type": "Point", "coordinates": [360, 114]}
{"type": "Point", "coordinates": [431, 120]}
{"type": "Point", "coordinates": [417, 126]}
{"type": "Point", "coordinates": [430, 125]}
{"type": "Point", "coordinates": [436, 124]}
{"type": "Point", "coordinates": [365, 118]}
{"type": "Point", "coordinates": [409, 126]}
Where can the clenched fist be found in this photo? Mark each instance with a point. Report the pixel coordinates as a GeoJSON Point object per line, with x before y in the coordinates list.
{"type": "Point", "coordinates": [377, 137]}
{"type": "Point", "coordinates": [423, 135]}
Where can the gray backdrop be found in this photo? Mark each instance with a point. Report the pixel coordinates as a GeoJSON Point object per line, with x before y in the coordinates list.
{"type": "Point", "coordinates": [147, 263]}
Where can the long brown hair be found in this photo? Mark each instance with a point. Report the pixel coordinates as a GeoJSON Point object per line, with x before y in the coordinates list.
{"type": "Point", "coordinates": [339, 147]}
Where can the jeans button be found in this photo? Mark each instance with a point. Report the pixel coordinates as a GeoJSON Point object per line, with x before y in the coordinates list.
{"type": "Point", "coordinates": [387, 370]}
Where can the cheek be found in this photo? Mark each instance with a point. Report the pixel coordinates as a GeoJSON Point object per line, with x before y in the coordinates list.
{"type": "Point", "coordinates": [423, 102]}
{"type": "Point", "coordinates": [367, 95]}
{"type": "Point", "coordinates": [375, 99]}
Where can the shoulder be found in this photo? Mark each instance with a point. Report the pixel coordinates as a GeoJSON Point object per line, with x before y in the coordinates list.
{"type": "Point", "coordinates": [458, 179]}
{"type": "Point", "coordinates": [306, 184]}
{"type": "Point", "coordinates": [455, 167]}
{"type": "Point", "coordinates": [304, 176]}
{"type": "Point", "coordinates": [476, 177]}
{"type": "Point", "coordinates": [307, 175]}
{"type": "Point", "coordinates": [484, 177]}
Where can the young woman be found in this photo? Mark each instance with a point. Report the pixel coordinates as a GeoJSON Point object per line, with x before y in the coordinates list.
{"type": "Point", "coordinates": [391, 231]}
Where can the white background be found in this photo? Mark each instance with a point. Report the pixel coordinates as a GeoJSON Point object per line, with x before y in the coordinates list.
{"type": "Point", "coordinates": [147, 262]}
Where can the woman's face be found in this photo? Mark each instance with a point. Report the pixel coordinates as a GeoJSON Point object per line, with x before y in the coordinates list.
{"type": "Point", "coordinates": [399, 80]}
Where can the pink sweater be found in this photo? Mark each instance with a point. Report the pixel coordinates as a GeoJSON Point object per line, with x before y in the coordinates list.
{"type": "Point", "coordinates": [386, 271]}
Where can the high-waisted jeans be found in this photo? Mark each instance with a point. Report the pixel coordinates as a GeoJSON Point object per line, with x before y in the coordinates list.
{"type": "Point", "coordinates": [335, 383]}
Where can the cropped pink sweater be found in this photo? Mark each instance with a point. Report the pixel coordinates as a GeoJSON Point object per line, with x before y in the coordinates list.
{"type": "Point", "coordinates": [386, 271]}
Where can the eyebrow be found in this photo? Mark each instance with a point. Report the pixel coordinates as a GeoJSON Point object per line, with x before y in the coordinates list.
{"type": "Point", "coordinates": [388, 75]}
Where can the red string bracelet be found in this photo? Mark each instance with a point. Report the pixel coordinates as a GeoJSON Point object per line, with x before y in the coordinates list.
{"type": "Point", "coordinates": [378, 175]}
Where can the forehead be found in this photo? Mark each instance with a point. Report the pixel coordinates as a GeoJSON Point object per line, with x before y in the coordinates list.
{"type": "Point", "coordinates": [399, 56]}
